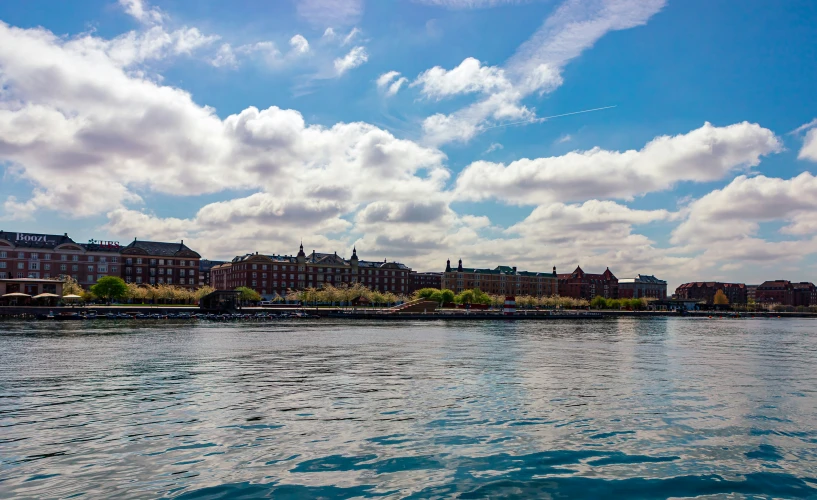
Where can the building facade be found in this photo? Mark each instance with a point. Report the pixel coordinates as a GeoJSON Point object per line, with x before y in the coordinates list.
{"type": "Point", "coordinates": [46, 256]}
{"type": "Point", "coordinates": [276, 275]}
{"type": "Point", "coordinates": [156, 263]}
{"type": "Point", "coordinates": [642, 286]}
{"type": "Point", "coordinates": [418, 281]}
{"type": "Point", "coordinates": [704, 291]}
{"type": "Point", "coordinates": [502, 280]}
{"type": "Point", "coordinates": [205, 266]}
{"type": "Point", "coordinates": [786, 293]}
{"type": "Point", "coordinates": [582, 285]}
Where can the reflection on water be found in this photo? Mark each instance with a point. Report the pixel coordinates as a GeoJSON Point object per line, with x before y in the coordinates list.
{"type": "Point", "coordinates": [647, 408]}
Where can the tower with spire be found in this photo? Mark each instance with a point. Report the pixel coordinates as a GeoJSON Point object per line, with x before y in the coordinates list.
{"type": "Point", "coordinates": [301, 255]}
{"type": "Point", "coordinates": [353, 261]}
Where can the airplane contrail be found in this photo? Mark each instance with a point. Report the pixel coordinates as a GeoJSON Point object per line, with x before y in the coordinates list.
{"type": "Point", "coordinates": [549, 117]}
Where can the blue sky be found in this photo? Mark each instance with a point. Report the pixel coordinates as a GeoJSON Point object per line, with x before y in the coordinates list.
{"type": "Point", "coordinates": [393, 126]}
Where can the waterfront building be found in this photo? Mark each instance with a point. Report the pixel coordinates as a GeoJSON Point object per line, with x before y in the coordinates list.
{"type": "Point", "coordinates": [272, 275]}
{"type": "Point", "coordinates": [156, 263]}
{"type": "Point", "coordinates": [582, 285]}
{"type": "Point", "coordinates": [501, 280]}
{"type": "Point", "coordinates": [642, 286]}
{"type": "Point", "coordinates": [46, 256]}
{"type": "Point", "coordinates": [205, 266]}
{"type": "Point", "coordinates": [418, 281]}
{"type": "Point", "coordinates": [786, 293]}
{"type": "Point", "coordinates": [704, 291]}
{"type": "Point", "coordinates": [751, 293]}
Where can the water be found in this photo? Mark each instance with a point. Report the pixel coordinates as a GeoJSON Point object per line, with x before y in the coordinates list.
{"type": "Point", "coordinates": [650, 408]}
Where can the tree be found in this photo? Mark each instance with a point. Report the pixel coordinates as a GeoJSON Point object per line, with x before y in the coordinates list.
{"type": "Point", "coordinates": [248, 294]}
{"type": "Point", "coordinates": [720, 299]}
{"type": "Point", "coordinates": [110, 287]}
{"type": "Point", "coordinates": [71, 287]}
{"type": "Point", "coordinates": [446, 296]}
{"type": "Point", "coordinates": [598, 302]}
{"type": "Point", "coordinates": [426, 293]}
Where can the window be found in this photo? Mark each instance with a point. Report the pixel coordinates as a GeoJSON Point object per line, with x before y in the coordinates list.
{"type": "Point", "coordinates": [128, 271]}
{"type": "Point", "coordinates": [63, 267]}
{"type": "Point", "coordinates": [35, 256]}
{"type": "Point", "coordinates": [2, 265]}
{"type": "Point", "coordinates": [3, 255]}
{"type": "Point", "coordinates": [138, 279]}
{"type": "Point", "coordinates": [114, 259]}
{"type": "Point", "coordinates": [90, 269]}
{"type": "Point", "coordinates": [181, 273]}
{"type": "Point", "coordinates": [292, 277]}
{"type": "Point", "coordinates": [274, 268]}
{"type": "Point", "coordinates": [128, 262]}
{"type": "Point", "coordinates": [103, 259]}
{"type": "Point", "coordinates": [161, 270]}
{"type": "Point", "coordinates": [47, 267]}
{"type": "Point", "coordinates": [138, 270]}
{"type": "Point", "coordinates": [169, 281]}
{"type": "Point", "coordinates": [161, 262]}
{"type": "Point", "coordinates": [102, 269]}
{"type": "Point", "coordinates": [152, 281]}
{"type": "Point", "coordinates": [169, 262]}
{"type": "Point", "coordinates": [21, 255]}
{"type": "Point", "coordinates": [255, 266]}
{"type": "Point", "coordinates": [2, 276]}
{"type": "Point", "coordinates": [152, 262]}
{"type": "Point", "coordinates": [90, 258]}
{"type": "Point", "coordinates": [254, 283]}
{"type": "Point", "coordinates": [21, 265]}
{"type": "Point", "coordinates": [75, 258]}
{"type": "Point", "coordinates": [90, 278]}
{"type": "Point", "coordinates": [138, 261]}
{"type": "Point", "coordinates": [254, 275]}
{"type": "Point", "coordinates": [264, 267]}
{"type": "Point", "coordinates": [63, 257]}
{"type": "Point", "coordinates": [161, 280]}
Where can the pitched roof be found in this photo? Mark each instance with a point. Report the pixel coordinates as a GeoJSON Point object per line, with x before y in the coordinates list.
{"type": "Point", "coordinates": [160, 249]}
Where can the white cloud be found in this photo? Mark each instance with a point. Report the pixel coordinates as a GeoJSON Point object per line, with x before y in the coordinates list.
{"type": "Point", "coordinates": [351, 36]}
{"type": "Point", "coordinates": [391, 82]}
{"type": "Point", "coordinates": [809, 149]}
{"type": "Point", "coordinates": [469, 76]}
{"type": "Point", "coordinates": [139, 10]}
{"type": "Point", "coordinates": [266, 50]}
{"type": "Point", "coordinates": [299, 44]}
{"type": "Point", "coordinates": [704, 154]}
{"type": "Point", "coordinates": [563, 139]}
{"type": "Point", "coordinates": [329, 33]}
{"type": "Point", "coordinates": [536, 67]}
{"type": "Point", "coordinates": [330, 12]}
{"type": "Point", "coordinates": [493, 147]}
{"type": "Point", "coordinates": [356, 57]}
{"type": "Point", "coordinates": [225, 57]}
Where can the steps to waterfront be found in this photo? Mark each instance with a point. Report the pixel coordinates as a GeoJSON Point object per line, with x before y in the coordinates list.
{"type": "Point", "coordinates": [415, 307]}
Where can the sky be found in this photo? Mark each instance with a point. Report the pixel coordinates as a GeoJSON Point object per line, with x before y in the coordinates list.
{"type": "Point", "coordinates": [663, 137]}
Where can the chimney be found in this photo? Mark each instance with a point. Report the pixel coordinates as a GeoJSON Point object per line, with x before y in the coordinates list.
{"type": "Point", "coordinates": [514, 269]}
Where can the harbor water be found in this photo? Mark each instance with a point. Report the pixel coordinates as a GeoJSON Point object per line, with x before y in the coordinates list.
{"type": "Point", "coordinates": [635, 408]}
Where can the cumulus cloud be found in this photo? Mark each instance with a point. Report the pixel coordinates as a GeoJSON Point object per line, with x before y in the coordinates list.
{"type": "Point", "coordinates": [469, 76]}
{"type": "Point", "coordinates": [299, 44]}
{"type": "Point", "coordinates": [702, 155]}
{"type": "Point", "coordinates": [535, 67]}
{"type": "Point", "coordinates": [356, 57]}
{"type": "Point", "coordinates": [225, 57]}
{"type": "Point", "coordinates": [493, 147]}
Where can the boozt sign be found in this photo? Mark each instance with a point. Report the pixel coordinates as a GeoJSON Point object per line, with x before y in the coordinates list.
{"type": "Point", "coordinates": [33, 238]}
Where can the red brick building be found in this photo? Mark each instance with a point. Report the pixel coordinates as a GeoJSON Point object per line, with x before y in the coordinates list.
{"type": "Point", "coordinates": [704, 291]}
{"type": "Point", "coordinates": [156, 263]}
{"type": "Point", "coordinates": [786, 293]}
{"type": "Point", "coordinates": [642, 286]}
{"type": "Point", "coordinates": [272, 275]}
{"type": "Point", "coordinates": [45, 256]}
{"type": "Point", "coordinates": [581, 285]}
{"type": "Point", "coordinates": [502, 280]}
{"type": "Point", "coordinates": [418, 281]}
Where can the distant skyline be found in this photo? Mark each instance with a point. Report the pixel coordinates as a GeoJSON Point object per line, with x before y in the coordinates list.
{"type": "Point", "coordinates": [418, 131]}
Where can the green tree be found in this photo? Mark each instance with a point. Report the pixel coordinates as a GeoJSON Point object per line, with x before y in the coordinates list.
{"type": "Point", "coordinates": [110, 287]}
{"type": "Point", "coordinates": [248, 294]}
{"type": "Point", "coordinates": [720, 299]}
{"type": "Point", "coordinates": [598, 302]}
{"type": "Point", "coordinates": [464, 297]}
{"type": "Point", "coordinates": [426, 293]}
{"type": "Point", "coordinates": [446, 296]}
